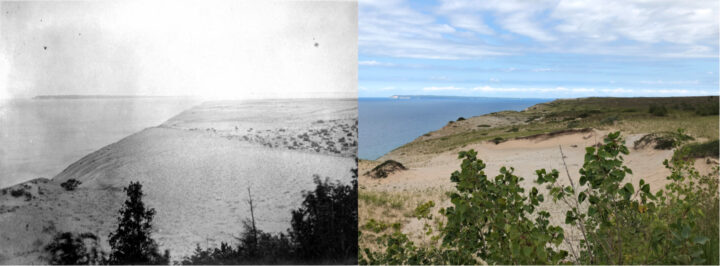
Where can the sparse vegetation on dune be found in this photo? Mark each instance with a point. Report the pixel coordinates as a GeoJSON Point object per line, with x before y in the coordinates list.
{"type": "Point", "coordinates": [386, 168]}
{"type": "Point", "coordinates": [496, 221]}
{"type": "Point", "coordinates": [697, 115]}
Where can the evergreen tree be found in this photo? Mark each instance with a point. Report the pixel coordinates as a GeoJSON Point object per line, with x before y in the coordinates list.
{"type": "Point", "coordinates": [131, 243]}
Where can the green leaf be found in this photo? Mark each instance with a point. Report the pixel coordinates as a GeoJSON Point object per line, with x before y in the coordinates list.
{"type": "Point", "coordinates": [581, 197]}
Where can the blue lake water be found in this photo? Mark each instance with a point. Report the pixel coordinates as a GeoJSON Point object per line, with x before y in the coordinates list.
{"type": "Point", "coordinates": [387, 123]}
{"type": "Point", "coordinates": [40, 137]}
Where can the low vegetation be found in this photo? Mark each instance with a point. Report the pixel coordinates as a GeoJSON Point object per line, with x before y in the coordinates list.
{"type": "Point", "coordinates": [697, 115]}
{"type": "Point", "coordinates": [71, 184]}
{"type": "Point", "coordinates": [495, 221]}
{"type": "Point", "coordinates": [324, 230]}
{"type": "Point", "coordinates": [386, 168]}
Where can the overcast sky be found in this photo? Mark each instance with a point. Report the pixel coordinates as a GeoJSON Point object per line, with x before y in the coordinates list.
{"type": "Point", "coordinates": [539, 48]}
{"type": "Point", "coordinates": [213, 49]}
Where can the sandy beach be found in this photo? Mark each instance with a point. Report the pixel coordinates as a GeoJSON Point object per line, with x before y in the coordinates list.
{"type": "Point", "coordinates": [195, 170]}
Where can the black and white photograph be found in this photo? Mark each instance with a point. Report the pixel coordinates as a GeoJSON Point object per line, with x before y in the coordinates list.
{"type": "Point", "coordinates": [178, 132]}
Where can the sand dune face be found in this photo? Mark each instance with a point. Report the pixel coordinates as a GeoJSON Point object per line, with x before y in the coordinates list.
{"type": "Point", "coordinates": [196, 180]}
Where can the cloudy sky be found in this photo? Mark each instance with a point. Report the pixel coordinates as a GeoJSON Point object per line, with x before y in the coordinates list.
{"type": "Point", "coordinates": [213, 49]}
{"type": "Point", "coordinates": [543, 48]}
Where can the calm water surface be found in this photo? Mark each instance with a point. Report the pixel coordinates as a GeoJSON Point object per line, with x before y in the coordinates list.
{"type": "Point", "coordinates": [386, 123]}
{"type": "Point", "coordinates": [39, 138]}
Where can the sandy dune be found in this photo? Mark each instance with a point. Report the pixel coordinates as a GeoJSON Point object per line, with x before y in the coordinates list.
{"type": "Point", "coordinates": [432, 173]}
{"type": "Point", "coordinates": [197, 180]}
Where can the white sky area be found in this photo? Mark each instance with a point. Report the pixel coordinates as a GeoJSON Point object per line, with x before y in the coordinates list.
{"type": "Point", "coordinates": [210, 49]}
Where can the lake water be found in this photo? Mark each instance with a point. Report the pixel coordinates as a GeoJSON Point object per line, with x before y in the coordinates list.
{"type": "Point", "coordinates": [40, 137]}
{"type": "Point", "coordinates": [386, 123]}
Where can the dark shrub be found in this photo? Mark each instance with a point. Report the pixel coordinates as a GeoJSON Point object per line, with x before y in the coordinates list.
{"type": "Point", "coordinates": [461, 118]}
{"type": "Point", "coordinates": [17, 192]}
{"type": "Point", "coordinates": [69, 249]}
{"type": "Point", "coordinates": [131, 242]}
{"type": "Point", "coordinates": [497, 140]}
{"type": "Point", "coordinates": [71, 184]}
{"type": "Point", "coordinates": [325, 227]}
{"type": "Point", "coordinates": [658, 110]}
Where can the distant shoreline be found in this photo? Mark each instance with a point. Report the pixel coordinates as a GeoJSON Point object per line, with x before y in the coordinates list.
{"type": "Point", "coordinates": [73, 96]}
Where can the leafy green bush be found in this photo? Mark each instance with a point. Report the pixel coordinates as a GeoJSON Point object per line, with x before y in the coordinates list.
{"type": "Point", "coordinates": [423, 210]}
{"type": "Point", "coordinates": [461, 118]}
{"type": "Point", "coordinates": [491, 219]}
{"type": "Point", "coordinates": [619, 224]}
{"type": "Point", "coordinates": [658, 110]}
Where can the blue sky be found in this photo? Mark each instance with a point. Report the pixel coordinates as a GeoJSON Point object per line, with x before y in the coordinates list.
{"type": "Point", "coordinates": [542, 48]}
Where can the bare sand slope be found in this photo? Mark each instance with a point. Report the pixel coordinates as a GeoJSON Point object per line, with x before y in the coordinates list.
{"type": "Point", "coordinates": [526, 156]}
{"type": "Point", "coordinates": [196, 181]}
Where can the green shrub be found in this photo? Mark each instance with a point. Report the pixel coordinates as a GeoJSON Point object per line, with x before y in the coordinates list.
{"type": "Point", "coordinates": [483, 125]}
{"type": "Point", "coordinates": [513, 129]}
{"type": "Point", "coordinates": [619, 224]}
{"type": "Point", "coordinates": [461, 118]}
{"type": "Point", "coordinates": [497, 140]}
{"type": "Point", "coordinates": [423, 210]}
{"type": "Point", "coordinates": [375, 226]}
{"type": "Point", "coordinates": [658, 110]}
{"type": "Point", "coordinates": [699, 150]}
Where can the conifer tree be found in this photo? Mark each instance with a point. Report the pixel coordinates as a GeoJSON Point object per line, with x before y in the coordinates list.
{"type": "Point", "coordinates": [131, 243]}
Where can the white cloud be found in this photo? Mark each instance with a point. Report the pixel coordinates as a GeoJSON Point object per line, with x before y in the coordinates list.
{"type": "Point", "coordinates": [449, 88]}
{"type": "Point", "coordinates": [682, 29]}
{"type": "Point", "coordinates": [374, 63]}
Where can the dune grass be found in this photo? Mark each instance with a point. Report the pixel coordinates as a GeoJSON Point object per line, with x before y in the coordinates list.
{"type": "Point", "coordinates": [629, 115]}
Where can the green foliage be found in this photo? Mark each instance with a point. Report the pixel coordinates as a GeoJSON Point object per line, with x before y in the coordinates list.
{"type": "Point", "coordinates": [131, 242]}
{"type": "Point", "coordinates": [71, 184]}
{"type": "Point", "coordinates": [483, 125]}
{"type": "Point", "coordinates": [658, 110]}
{"type": "Point", "coordinates": [375, 226]}
{"type": "Point", "coordinates": [461, 118]}
{"type": "Point", "coordinates": [491, 220]}
{"type": "Point", "coordinates": [699, 150]}
{"type": "Point", "coordinates": [513, 129]}
{"type": "Point", "coordinates": [423, 210]}
{"type": "Point", "coordinates": [70, 249]}
{"type": "Point", "coordinates": [622, 225]}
